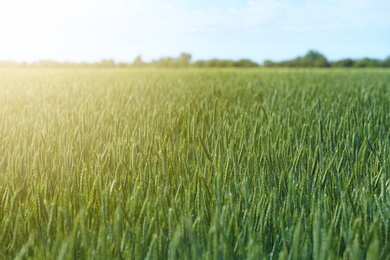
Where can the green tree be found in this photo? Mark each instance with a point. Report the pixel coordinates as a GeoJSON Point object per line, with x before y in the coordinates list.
{"type": "Point", "coordinates": [344, 63]}
{"type": "Point", "coordinates": [368, 63]}
{"type": "Point", "coordinates": [311, 59]}
{"type": "Point", "coordinates": [138, 61]}
{"type": "Point", "coordinates": [199, 64]}
{"type": "Point", "coordinates": [269, 63]}
{"type": "Point", "coordinates": [184, 59]}
{"type": "Point", "coordinates": [245, 63]}
{"type": "Point", "coordinates": [106, 63]}
{"type": "Point", "coordinates": [315, 59]}
{"type": "Point", "coordinates": [386, 62]}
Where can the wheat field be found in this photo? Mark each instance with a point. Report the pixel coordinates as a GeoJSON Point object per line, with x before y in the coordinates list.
{"type": "Point", "coordinates": [194, 164]}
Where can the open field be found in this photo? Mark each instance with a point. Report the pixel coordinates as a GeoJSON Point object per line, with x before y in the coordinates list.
{"type": "Point", "coordinates": [189, 164]}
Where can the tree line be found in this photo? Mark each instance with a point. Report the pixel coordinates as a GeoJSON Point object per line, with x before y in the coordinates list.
{"type": "Point", "coordinates": [312, 59]}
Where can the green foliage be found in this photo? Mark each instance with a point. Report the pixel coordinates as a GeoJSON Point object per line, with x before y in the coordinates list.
{"type": "Point", "coordinates": [215, 63]}
{"type": "Point", "coordinates": [311, 59]}
{"type": "Point", "coordinates": [343, 63]}
{"type": "Point", "coordinates": [386, 62]}
{"type": "Point", "coordinates": [245, 63]}
{"type": "Point", "coordinates": [194, 164]}
{"type": "Point", "coordinates": [138, 62]}
{"type": "Point", "coordinates": [314, 59]}
{"type": "Point", "coordinates": [183, 61]}
{"type": "Point", "coordinates": [368, 63]}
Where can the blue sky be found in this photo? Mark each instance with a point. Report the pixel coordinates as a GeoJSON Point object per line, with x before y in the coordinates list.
{"type": "Point", "coordinates": [92, 30]}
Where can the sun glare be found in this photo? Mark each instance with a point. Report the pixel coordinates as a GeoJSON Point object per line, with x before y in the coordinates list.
{"type": "Point", "coordinates": [21, 23]}
{"type": "Point", "coordinates": [29, 28]}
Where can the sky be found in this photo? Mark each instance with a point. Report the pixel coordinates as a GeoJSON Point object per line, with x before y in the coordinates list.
{"type": "Point", "coordinates": [92, 30]}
